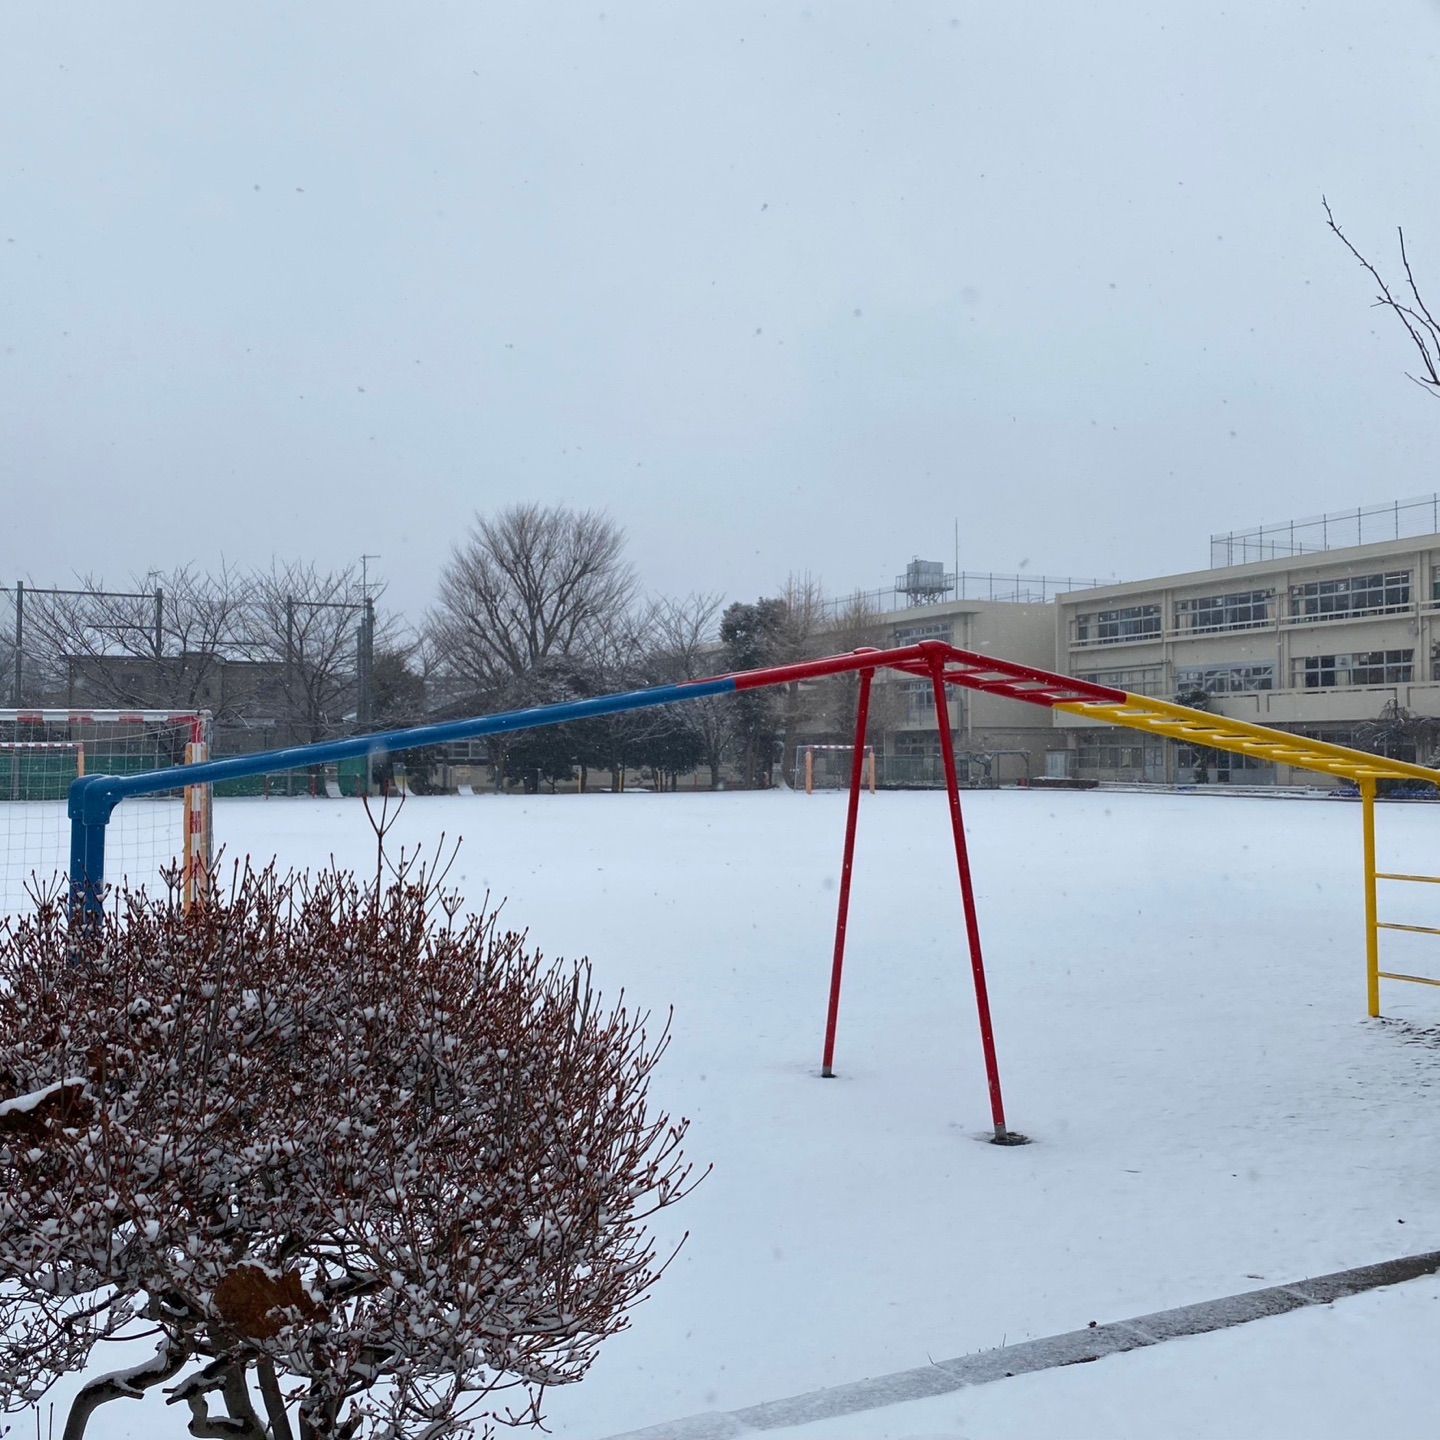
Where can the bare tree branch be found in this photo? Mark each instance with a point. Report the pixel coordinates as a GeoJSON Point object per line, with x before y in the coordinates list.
{"type": "Point", "coordinates": [1419, 323]}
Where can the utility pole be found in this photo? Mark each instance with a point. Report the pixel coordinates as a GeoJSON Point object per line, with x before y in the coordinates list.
{"type": "Point", "coordinates": [19, 639]}
{"type": "Point", "coordinates": [365, 665]}
{"type": "Point", "coordinates": [295, 668]}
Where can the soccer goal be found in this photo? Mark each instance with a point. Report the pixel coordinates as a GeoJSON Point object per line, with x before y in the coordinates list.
{"type": "Point", "coordinates": [828, 767]}
{"type": "Point", "coordinates": [43, 751]}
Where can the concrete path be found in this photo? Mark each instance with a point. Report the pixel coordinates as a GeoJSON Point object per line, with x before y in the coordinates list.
{"type": "Point", "coordinates": [1073, 1348]}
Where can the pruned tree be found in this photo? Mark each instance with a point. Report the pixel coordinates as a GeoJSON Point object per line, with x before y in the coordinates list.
{"type": "Point", "coordinates": [360, 1167]}
{"type": "Point", "coordinates": [1408, 306]}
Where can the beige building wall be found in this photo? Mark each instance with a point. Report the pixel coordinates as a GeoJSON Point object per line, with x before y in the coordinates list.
{"type": "Point", "coordinates": [1013, 735]}
{"type": "Point", "coordinates": [1318, 642]}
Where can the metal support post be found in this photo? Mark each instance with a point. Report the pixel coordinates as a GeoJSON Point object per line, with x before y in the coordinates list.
{"type": "Point", "coordinates": [87, 870]}
{"type": "Point", "coordinates": [847, 865]}
{"type": "Point", "coordinates": [1003, 1136]}
{"type": "Point", "coordinates": [1372, 925]}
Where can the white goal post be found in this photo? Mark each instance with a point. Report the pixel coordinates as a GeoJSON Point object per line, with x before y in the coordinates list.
{"type": "Point", "coordinates": [42, 751]}
{"type": "Point", "coordinates": [828, 767]}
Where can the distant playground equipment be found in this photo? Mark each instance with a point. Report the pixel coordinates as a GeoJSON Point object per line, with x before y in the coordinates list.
{"type": "Point", "coordinates": [93, 797]}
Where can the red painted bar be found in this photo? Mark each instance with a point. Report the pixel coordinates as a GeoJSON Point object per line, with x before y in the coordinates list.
{"type": "Point", "coordinates": [991, 674]}
{"type": "Point", "coordinates": [967, 895]}
{"type": "Point", "coordinates": [829, 665]}
{"type": "Point", "coordinates": [857, 773]}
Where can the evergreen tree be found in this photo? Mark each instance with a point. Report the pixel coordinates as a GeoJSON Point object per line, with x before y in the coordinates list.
{"type": "Point", "coordinates": [754, 636]}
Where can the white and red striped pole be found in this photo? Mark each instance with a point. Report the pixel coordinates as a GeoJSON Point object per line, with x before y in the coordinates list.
{"type": "Point", "coordinates": [197, 823]}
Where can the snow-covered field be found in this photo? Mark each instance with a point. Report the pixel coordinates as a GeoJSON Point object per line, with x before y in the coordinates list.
{"type": "Point", "coordinates": [1178, 990]}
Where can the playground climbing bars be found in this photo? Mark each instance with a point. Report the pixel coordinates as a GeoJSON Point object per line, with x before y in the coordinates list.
{"type": "Point", "coordinates": [93, 797]}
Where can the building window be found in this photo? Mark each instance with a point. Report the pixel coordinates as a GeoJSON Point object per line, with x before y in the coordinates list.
{"type": "Point", "coordinates": [919, 700]}
{"type": "Point", "coordinates": [1120, 755]}
{"type": "Point", "coordinates": [1109, 627]}
{"type": "Point", "coordinates": [1368, 667]}
{"type": "Point", "coordinates": [1355, 595]}
{"type": "Point", "coordinates": [919, 696]}
{"type": "Point", "coordinates": [1241, 611]}
{"type": "Point", "coordinates": [1137, 679]}
{"type": "Point", "coordinates": [921, 630]}
{"type": "Point", "coordinates": [915, 746]}
{"type": "Point", "coordinates": [1231, 679]}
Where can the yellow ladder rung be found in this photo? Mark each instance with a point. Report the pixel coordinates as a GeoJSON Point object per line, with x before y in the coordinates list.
{"type": "Point", "coordinates": [1426, 879]}
{"type": "Point", "coordinates": [1414, 979]}
{"type": "Point", "coordinates": [1414, 929]}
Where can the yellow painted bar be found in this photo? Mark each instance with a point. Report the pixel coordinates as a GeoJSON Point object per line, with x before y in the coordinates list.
{"type": "Point", "coordinates": [1413, 979]}
{"type": "Point", "coordinates": [1220, 732]}
{"type": "Point", "coordinates": [1372, 931]}
{"type": "Point", "coordinates": [1422, 879]}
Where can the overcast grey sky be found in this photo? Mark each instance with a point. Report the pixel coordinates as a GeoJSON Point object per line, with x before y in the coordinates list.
{"type": "Point", "coordinates": [783, 287]}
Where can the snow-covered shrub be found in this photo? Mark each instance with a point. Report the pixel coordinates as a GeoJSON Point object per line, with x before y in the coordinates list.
{"type": "Point", "coordinates": [325, 1141]}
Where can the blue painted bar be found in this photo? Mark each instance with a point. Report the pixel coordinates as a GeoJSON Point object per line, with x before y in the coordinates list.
{"type": "Point", "coordinates": [93, 798]}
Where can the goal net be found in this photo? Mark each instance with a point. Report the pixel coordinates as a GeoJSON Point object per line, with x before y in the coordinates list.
{"type": "Point", "coordinates": [828, 767]}
{"type": "Point", "coordinates": [43, 751]}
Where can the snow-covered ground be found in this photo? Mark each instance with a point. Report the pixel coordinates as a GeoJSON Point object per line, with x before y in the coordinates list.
{"type": "Point", "coordinates": [1178, 990]}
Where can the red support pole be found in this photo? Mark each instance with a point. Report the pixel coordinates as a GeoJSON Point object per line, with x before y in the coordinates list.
{"type": "Point", "coordinates": [857, 771]}
{"type": "Point", "coordinates": [967, 895]}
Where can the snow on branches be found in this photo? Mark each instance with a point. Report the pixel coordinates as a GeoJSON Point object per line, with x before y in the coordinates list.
{"type": "Point", "coordinates": [324, 1139]}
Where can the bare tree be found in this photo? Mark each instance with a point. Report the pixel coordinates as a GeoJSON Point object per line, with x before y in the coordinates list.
{"type": "Point", "coordinates": [806, 632]}
{"type": "Point", "coordinates": [533, 583]}
{"type": "Point", "coordinates": [359, 1166]}
{"type": "Point", "coordinates": [529, 587]}
{"type": "Point", "coordinates": [685, 645]}
{"type": "Point", "coordinates": [855, 624]}
{"type": "Point", "coordinates": [1411, 310]}
{"type": "Point", "coordinates": [303, 624]}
